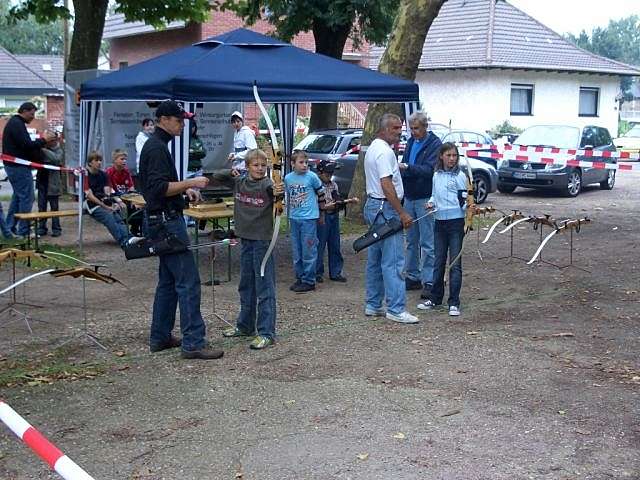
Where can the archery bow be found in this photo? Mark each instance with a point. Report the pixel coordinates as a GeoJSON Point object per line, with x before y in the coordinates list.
{"type": "Point", "coordinates": [25, 279]}
{"type": "Point", "coordinates": [276, 177]}
{"type": "Point", "coordinates": [471, 208]}
{"type": "Point", "coordinates": [505, 220]}
{"type": "Point", "coordinates": [564, 226]}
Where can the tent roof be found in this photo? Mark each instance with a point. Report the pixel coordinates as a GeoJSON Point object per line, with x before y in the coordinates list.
{"type": "Point", "coordinates": [224, 69]}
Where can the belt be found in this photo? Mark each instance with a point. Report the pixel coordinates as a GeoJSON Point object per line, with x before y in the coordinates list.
{"type": "Point", "coordinates": [165, 215]}
{"type": "Point", "coordinates": [377, 198]}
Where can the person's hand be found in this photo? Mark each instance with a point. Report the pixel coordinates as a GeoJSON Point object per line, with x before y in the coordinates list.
{"type": "Point", "coordinates": [115, 206]}
{"type": "Point", "coordinates": [194, 195]}
{"type": "Point", "coordinates": [231, 157]}
{"type": "Point", "coordinates": [278, 189]}
{"type": "Point", "coordinates": [403, 166]}
{"type": "Point", "coordinates": [406, 219]}
{"type": "Point", "coordinates": [429, 205]}
{"type": "Point", "coordinates": [198, 182]}
{"type": "Point", "coordinates": [235, 172]}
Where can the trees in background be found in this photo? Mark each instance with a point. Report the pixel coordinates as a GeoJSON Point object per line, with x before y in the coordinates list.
{"type": "Point", "coordinates": [618, 41]}
{"type": "Point", "coordinates": [28, 36]}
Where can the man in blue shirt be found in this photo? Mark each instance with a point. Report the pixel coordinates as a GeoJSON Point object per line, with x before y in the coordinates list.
{"type": "Point", "coordinates": [416, 169]}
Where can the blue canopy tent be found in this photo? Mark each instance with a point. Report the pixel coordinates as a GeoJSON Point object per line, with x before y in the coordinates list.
{"type": "Point", "coordinates": [225, 68]}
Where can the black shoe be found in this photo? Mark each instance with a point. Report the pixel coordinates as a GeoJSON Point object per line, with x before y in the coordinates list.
{"type": "Point", "coordinates": [304, 288]}
{"type": "Point", "coordinates": [206, 353]}
{"type": "Point", "coordinates": [339, 278]}
{"type": "Point", "coordinates": [294, 285]}
{"type": "Point", "coordinates": [173, 342]}
{"type": "Point", "coordinates": [319, 279]}
{"type": "Point", "coordinates": [56, 233]}
{"type": "Point", "coordinates": [426, 291]}
{"type": "Point", "coordinates": [412, 284]}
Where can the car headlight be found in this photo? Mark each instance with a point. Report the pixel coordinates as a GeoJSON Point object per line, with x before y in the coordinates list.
{"type": "Point", "coordinates": [554, 166]}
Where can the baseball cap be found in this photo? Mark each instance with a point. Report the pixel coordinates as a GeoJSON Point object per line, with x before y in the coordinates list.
{"type": "Point", "coordinates": [326, 166]}
{"type": "Point", "coordinates": [237, 114]}
{"type": "Point", "coordinates": [169, 108]}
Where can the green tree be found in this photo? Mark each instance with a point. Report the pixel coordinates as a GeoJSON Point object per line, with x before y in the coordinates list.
{"type": "Point", "coordinates": [332, 23]}
{"type": "Point", "coordinates": [618, 41]}
{"type": "Point", "coordinates": [401, 58]}
{"type": "Point", "coordinates": [28, 36]}
{"type": "Point", "coordinates": [89, 17]}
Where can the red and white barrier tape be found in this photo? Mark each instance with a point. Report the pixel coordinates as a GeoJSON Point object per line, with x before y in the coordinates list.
{"type": "Point", "coordinates": [47, 451]}
{"type": "Point", "coordinates": [549, 150]}
{"type": "Point", "coordinates": [558, 160]}
{"type": "Point", "coordinates": [20, 161]}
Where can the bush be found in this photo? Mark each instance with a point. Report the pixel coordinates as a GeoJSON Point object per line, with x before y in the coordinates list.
{"type": "Point", "coordinates": [504, 128]}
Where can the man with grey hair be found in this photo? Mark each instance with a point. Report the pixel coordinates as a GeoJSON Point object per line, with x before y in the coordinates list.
{"type": "Point", "coordinates": [416, 169]}
{"type": "Point", "coordinates": [385, 258]}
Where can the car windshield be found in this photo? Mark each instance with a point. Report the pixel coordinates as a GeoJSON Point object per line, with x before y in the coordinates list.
{"type": "Point", "coordinates": [316, 143]}
{"type": "Point", "coordinates": [550, 136]}
{"type": "Point", "coordinates": [634, 132]}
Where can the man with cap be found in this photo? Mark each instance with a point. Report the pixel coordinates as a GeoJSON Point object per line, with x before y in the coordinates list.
{"type": "Point", "coordinates": [178, 277]}
{"type": "Point", "coordinates": [243, 141]}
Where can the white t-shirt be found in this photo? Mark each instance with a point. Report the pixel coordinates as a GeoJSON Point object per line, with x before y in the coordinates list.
{"type": "Point", "coordinates": [140, 141]}
{"type": "Point", "coordinates": [380, 162]}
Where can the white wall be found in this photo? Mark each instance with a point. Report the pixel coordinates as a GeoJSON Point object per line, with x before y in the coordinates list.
{"type": "Point", "coordinates": [480, 99]}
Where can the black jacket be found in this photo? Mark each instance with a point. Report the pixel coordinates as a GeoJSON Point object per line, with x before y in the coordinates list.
{"type": "Point", "coordinates": [17, 142]}
{"type": "Point", "coordinates": [157, 169]}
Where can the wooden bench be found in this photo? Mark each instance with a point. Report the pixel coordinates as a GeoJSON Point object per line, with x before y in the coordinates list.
{"type": "Point", "coordinates": [35, 216]}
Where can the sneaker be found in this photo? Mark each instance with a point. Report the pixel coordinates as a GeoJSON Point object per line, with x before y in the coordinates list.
{"type": "Point", "coordinates": [205, 353]}
{"type": "Point", "coordinates": [304, 288]}
{"type": "Point", "coordinates": [260, 342]}
{"type": "Point", "coordinates": [411, 284]}
{"type": "Point", "coordinates": [426, 305]}
{"type": "Point", "coordinates": [234, 332]}
{"type": "Point", "coordinates": [426, 291]}
{"type": "Point", "coordinates": [454, 311]}
{"type": "Point", "coordinates": [319, 279]}
{"type": "Point", "coordinates": [375, 312]}
{"type": "Point", "coordinates": [339, 278]}
{"type": "Point", "coordinates": [404, 317]}
{"type": "Point", "coordinates": [294, 285]}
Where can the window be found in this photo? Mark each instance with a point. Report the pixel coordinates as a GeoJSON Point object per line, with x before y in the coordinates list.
{"type": "Point", "coordinates": [603, 139]}
{"type": "Point", "coordinates": [589, 137]}
{"type": "Point", "coordinates": [521, 99]}
{"type": "Point", "coordinates": [589, 97]}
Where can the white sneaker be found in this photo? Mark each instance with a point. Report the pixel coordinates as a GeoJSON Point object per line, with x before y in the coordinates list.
{"type": "Point", "coordinates": [375, 312]}
{"type": "Point", "coordinates": [404, 317]}
{"type": "Point", "coordinates": [426, 305]}
{"type": "Point", "coordinates": [454, 311]}
{"type": "Point", "coordinates": [134, 240]}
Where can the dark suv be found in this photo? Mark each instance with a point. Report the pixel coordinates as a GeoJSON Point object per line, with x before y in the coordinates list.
{"type": "Point", "coordinates": [566, 179]}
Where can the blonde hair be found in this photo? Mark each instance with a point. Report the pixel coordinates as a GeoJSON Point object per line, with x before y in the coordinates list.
{"type": "Point", "coordinates": [299, 154]}
{"type": "Point", "coordinates": [94, 155]}
{"type": "Point", "coordinates": [118, 152]}
{"type": "Point", "coordinates": [255, 154]}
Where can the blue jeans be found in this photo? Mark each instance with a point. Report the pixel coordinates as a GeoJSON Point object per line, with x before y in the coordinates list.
{"type": "Point", "coordinates": [23, 195]}
{"type": "Point", "coordinates": [448, 235]}
{"type": "Point", "coordinates": [114, 223]}
{"type": "Point", "coordinates": [329, 237]}
{"type": "Point", "coordinates": [178, 284]}
{"type": "Point", "coordinates": [257, 294]}
{"type": "Point", "coordinates": [304, 242]}
{"type": "Point", "coordinates": [419, 243]}
{"type": "Point", "coordinates": [4, 228]}
{"type": "Point", "coordinates": [385, 260]}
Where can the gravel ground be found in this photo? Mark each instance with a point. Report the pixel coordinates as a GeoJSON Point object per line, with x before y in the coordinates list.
{"type": "Point", "coordinates": [538, 379]}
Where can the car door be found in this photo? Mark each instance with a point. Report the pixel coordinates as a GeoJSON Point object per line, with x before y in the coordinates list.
{"type": "Point", "coordinates": [605, 143]}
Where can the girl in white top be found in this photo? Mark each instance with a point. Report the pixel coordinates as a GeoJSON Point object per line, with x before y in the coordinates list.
{"type": "Point", "coordinates": [243, 141]}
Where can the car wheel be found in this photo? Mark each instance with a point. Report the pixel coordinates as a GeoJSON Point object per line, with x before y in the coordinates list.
{"type": "Point", "coordinates": [480, 187]}
{"type": "Point", "coordinates": [503, 188]}
{"type": "Point", "coordinates": [574, 183]}
{"type": "Point", "coordinates": [610, 181]}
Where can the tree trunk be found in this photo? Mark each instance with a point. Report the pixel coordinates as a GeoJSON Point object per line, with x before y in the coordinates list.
{"type": "Point", "coordinates": [89, 17]}
{"type": "Point", "coordinates": [401, 58]}
{"type": "Point", "coordinates": [330, 42]}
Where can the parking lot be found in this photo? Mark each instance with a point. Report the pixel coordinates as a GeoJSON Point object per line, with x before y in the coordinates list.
{"type": "Point", "coordinates": [538, 379]}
